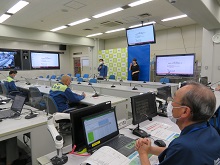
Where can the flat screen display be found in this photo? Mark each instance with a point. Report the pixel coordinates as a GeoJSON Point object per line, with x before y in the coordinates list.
{"type": "Point", "coordinates": [175, 65]}
{"type": "Point", "coordinates": [141, 35]}
{"type": "Point", "coordinates": [10, 59]}
{"type": "Point", "coordinates": [45, 60]}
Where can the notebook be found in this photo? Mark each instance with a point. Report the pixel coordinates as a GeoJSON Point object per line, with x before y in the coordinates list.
{"type": "Point", "coordinates": [15, 109]}
{"type": "Point", "coordinates": [101, 129]}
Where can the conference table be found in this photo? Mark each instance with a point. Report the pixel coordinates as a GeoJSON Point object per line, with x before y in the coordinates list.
{"type": "Point", "coordinates": [73, 159]}
{"type": "Point", "coordinates": [120, 103]}
{"type": "Point", "coordinates": [36, 127]}
{"type": "Point", "coordinates": [155, 85]}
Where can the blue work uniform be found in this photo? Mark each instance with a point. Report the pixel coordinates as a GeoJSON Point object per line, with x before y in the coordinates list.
{"type": "Point", "coordinates": [103, 70]}
{"type": "Point", "coordinates": [10, 84]}
{"type": "Point", "coordinates": [63, 95]}
{"type": "Point", "coordinates": [198, 144]}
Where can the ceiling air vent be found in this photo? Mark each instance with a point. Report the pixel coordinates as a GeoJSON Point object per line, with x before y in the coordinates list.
{"type": "Point", "coordinates": [145, 15]}
{"type": "Point", "coordinates": [111, 23]}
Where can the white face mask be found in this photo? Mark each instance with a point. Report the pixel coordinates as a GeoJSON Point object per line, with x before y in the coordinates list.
{"type": "Point", "coordinates": [170, 112]}
{"type": "Point", "coordinates": [100, 63]}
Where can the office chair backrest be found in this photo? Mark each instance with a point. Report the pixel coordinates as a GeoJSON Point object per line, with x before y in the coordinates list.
{"type": "Point", "coordinates": [80, 79]}
{"type": "Point", "coordinates": [48, 76]}
{"type": "Point", "coordinates": [69, 74]}
{"type": "Point", "coordinates": [77, 75]}
{"type": "Point", "coordinates": [53, 77]}
{"type": "Point", "coordinates": [112, 77]}
{"type": "Point", "coordinates": [86, 76]}
{"type": "Point", "coordinates": [164, 80]}
{"type": "Point", "coordinates": [4, 89]}
{"type": "Point", "coordinates": [93, 80]}
{"type": "Point", "coordinates": [41, 77]}
{"type": "Point", "coordinates": [35, 95]}
{"type": "Point", "coordinates": [51, 105]}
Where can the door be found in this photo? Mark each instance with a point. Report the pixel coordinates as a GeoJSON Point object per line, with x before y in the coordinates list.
{"type": "Point", "coordinates": [85, 68]}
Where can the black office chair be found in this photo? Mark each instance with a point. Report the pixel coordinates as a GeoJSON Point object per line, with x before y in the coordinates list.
{"type": "Point", "coordinates": [51, 108]}
{"type": "Point", "coordinates": [36, 98]}
{"type": "Point", "coordinates": [5, 92]}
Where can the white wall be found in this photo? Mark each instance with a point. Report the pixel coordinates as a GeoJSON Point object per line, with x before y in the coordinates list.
{"type": "Point", "coordinates": [210, 56]}
{"type": "Point", "coordinates": [187, 39]}
{"type": "Point", "coordinates": [65, 62]}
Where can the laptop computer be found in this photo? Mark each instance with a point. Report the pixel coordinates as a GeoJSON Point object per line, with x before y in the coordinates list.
{"type": "Point", "coordinates": [15, 109]}
{"type": "Point", "coordinates": [101, 129]}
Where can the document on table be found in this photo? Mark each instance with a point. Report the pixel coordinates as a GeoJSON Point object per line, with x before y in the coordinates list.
{"type": "Point", "coordinates": [165, 134]}
{"type": "Point", "coordinates": [155, 125]}
{"type": "Point", "coordinates": [135, 160]}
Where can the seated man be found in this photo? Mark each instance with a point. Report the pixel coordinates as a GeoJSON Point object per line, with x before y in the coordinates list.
{"type": "Point", "coordinates": [63, 95]}
{"type": "Point", "coordinates": [198, 143]}
{"type": "Point", "coordinates": [10, 84]}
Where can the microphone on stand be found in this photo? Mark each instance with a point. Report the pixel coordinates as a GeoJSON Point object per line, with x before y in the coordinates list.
{"type": "Point", "coordinates": [30, 115]}
{"type": "Point", "coordinates": [134, 88]}
{"type": "Point", "coordinates": [96, 94]}
{"type": "Point", "coordinates": [27, 82]}
{"type": "Point", "coordinates": [113, 85]}
{"type": "Point", "coordinates": [139, 132]}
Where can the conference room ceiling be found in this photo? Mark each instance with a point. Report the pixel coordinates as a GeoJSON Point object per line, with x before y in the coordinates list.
{"type": "Point", "coordinates": [49, 14]}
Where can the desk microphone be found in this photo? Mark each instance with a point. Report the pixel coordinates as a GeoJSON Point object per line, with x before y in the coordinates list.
{"type": "Point", "coordinates": [96, 94]}
{"type": "Point", "coordinates": [139, 132]}
{"type": "Point", "coordinates": [30, 115]}
{"type": "Point", "coordinates": [27, 82]}
{"type": "Point", "coordinates": [134, 88]}
{"type": "Point", "coordinates": [113, 85]}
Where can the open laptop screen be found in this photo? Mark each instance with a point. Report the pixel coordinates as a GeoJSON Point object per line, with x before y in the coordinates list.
{"type": "Point", "coordinates": [18, 103]}
{"type": "Point", "coordinates": [100, 127]}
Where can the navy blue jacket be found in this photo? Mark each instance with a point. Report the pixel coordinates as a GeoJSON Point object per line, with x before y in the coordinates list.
{"type": "Point", "coordinates": [198, 144]}
{"type": "Point", "coordinates": [103, 70]}
{"type": "Point", "coordinates": [10, 84]}
{"type": "Point", "coordinates": [63, 95]}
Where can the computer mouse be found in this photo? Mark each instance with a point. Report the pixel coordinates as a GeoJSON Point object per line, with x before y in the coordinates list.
{"type": "Point", "coordinates": [160, 143]}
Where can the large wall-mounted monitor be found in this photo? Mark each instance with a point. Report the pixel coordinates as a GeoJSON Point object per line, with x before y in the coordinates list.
{"type": "Point", "coordinates": [10, 59]}
{"type": "Point", "coordinates": [175, 65]}
{"type": "Point", "coordinates": [141, 35]}
{"type": "Point", "coordinates": [45, 60]}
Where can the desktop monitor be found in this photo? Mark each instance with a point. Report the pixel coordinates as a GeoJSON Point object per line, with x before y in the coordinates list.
{"type": "Point", "coordinates": [77, 125]}
{"type": "Point", "coordinates": [164, 92]}
{"type": "Point", "coordinates": [143, 106]}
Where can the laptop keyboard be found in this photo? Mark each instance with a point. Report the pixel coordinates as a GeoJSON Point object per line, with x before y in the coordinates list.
{"type": "Point", "coordinates": [119, 142]}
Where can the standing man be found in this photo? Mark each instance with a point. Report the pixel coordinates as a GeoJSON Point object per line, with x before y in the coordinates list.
{"type": "Point", "coordinates": [62, 94]}
{"type": "Point", "coordinates": [134, 68]}
{"type": "Point", "coordinates": [103, 69]}
{"type": "Point", "coordinates": [199, 143]}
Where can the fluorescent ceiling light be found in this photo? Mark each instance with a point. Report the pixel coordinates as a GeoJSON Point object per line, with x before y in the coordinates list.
{"type": "Point", "coordinates": [172, 18]}
{"type": "Point", "coordinates": [96, 34]}
{"type": "Point", "coordinates": [138, 3]}
{"type": "Point", "coordinates": [116, 30]}
{"type": "Point", "coordinates": [108, 12]}
{"type": "Point", "coordinates": [147, 23]}
{"type": "Point", "coordinates": [4, 17]}
{"type": "Point", "coordinates": [80, 21]}
{"type": "Point", "coordinates": [18, 6]}
{"type": "Point", "coordinates": [58, 28]}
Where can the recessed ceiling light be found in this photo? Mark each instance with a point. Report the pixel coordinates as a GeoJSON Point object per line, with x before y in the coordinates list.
{"type": "Point", "coordinates": [96, 34]}
{"type": "Point", "coordinates": [108, 12]}
{"type": "Point", "coordinates": [116, 30]}
{"type": "Point", "coordinates": [173, 18]}
{"type": "Point", "coordinates": [18, 6]}
{"type": "Point", "coordinates": [147, 23]}
{"type": "Point", "coordinates": [80, 21]}
{"type": "Point", "coordinates": [138, 3]}
{"type": "Point", "coordinates": [58, 28]}
{"type": "Point", "coordinates": [4, 17]}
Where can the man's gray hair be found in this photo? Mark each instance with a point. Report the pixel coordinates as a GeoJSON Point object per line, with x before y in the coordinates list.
{"type": "Point", "coordinates": [201, 100]}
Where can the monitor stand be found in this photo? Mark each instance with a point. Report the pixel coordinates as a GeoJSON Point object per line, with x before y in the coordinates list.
{"type": "Point", "coordinates": [139, 132]}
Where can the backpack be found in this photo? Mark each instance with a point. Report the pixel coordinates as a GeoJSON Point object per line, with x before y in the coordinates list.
{"type": "Point", "coordinates": [215, 120]}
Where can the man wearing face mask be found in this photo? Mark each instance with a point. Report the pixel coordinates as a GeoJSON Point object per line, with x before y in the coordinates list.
{"type": "Point", "coordinates": [103, 69]}
{"type": "Point", "coordinates": [62, 94]}
{"type": "Point", "coordinates": [198, 143]}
